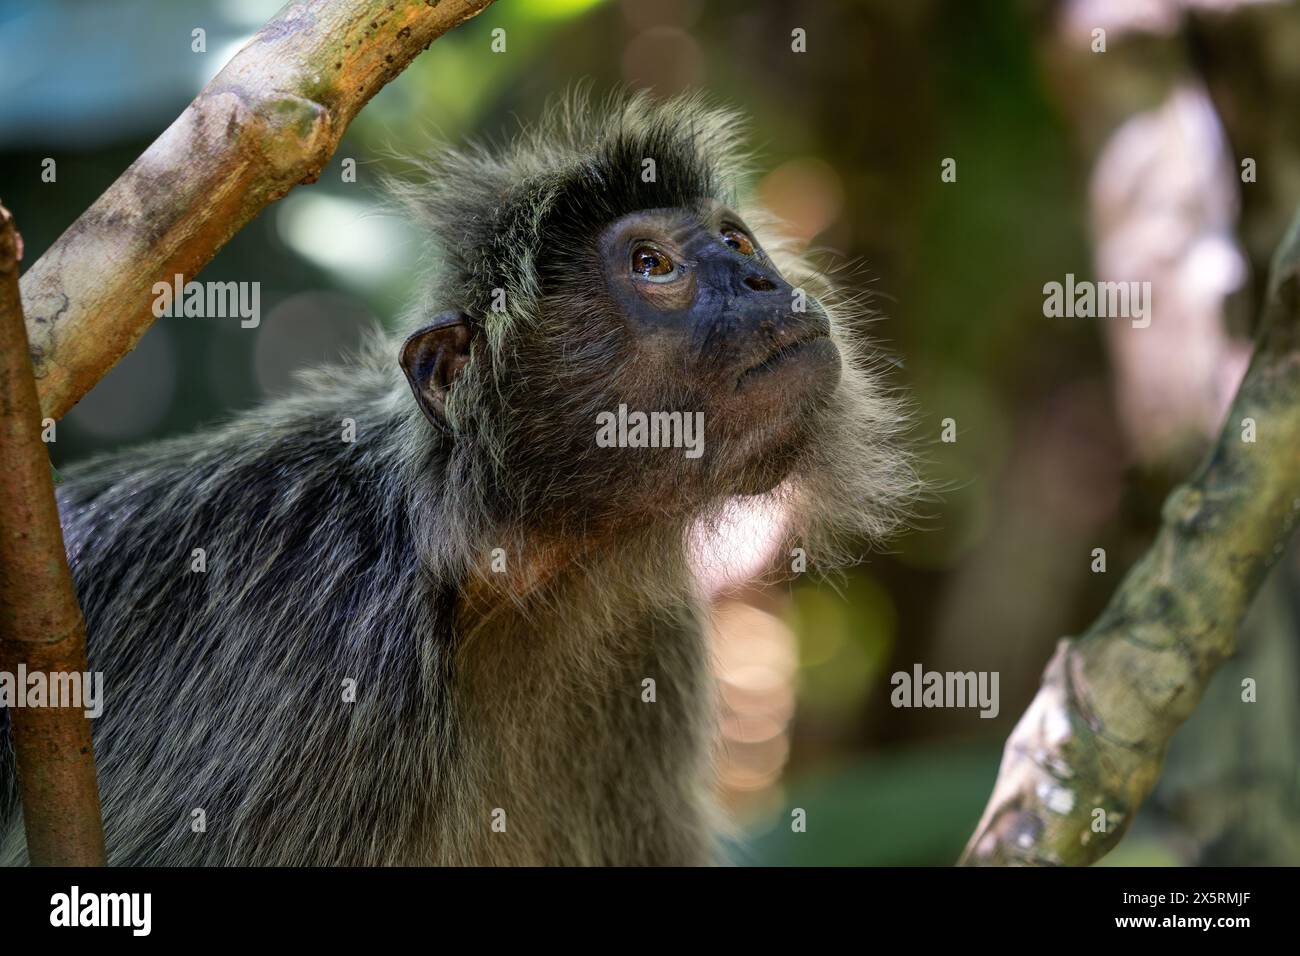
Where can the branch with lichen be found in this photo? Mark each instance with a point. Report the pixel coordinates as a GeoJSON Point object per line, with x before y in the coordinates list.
{"type": "Point", "coordinates": [1090, 747]}
{"type": "Point", "coordinates": [269, 120]}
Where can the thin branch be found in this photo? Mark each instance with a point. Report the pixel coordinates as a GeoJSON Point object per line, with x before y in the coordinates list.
{"type": "Point", "coordinates": [269, 120]}
{"type": "Point", "coordinates": [40, 621]}
{"type": "Point", "coordinates": [1094, 737]}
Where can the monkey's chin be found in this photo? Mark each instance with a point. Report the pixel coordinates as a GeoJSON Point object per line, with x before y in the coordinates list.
{"type": "Point", "coordinates": [776, 450]}
{"type": "Point", "coordinates": [786, 413]}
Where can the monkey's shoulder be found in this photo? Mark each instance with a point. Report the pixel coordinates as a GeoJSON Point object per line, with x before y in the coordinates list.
{"type": "Point", "coordinates": [288, 518]}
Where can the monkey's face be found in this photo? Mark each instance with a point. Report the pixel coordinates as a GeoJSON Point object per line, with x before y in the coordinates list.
{"type": "Point", "coordinates": [615, 351]}
{"type": "Point", "coordinates": [666, 363]}
{"type": "Point", "coordinates": [712, 327]}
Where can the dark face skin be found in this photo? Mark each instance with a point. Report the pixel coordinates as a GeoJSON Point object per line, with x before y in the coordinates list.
{"type": "Point", "coordinates": [693, 317]}
{"type": "Point", "coordinates": [704, 303]}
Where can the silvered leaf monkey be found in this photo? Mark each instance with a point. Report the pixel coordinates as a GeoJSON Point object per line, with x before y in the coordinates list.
{"type": "Point", "coordinates": [428, 645]}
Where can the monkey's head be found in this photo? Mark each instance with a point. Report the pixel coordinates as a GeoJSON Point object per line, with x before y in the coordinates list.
{"type": "Point", "coordinates": [610, 340]}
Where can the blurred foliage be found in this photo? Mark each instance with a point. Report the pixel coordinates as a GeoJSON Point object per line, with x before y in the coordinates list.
{"type": "Point", "coordinates": [909, 809]}
{"type": "Point", "coordinates": [846, 638]}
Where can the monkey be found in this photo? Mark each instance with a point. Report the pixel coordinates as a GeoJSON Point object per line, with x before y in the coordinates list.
{"type": "Point", "coordinates": [427, 645]}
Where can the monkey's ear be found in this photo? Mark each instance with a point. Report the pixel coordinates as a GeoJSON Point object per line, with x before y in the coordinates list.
{"type": "Point", "coordinates": [432, 358]}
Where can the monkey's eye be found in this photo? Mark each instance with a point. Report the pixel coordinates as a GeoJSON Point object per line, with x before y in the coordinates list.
{"type": "Point", "coordinates": [649, 263]}
{"type": "Point", "coordinates": [737, 240]}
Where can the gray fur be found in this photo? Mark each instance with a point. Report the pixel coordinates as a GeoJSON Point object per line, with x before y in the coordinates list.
{"type": "Point", "coordinates": [329, 560]}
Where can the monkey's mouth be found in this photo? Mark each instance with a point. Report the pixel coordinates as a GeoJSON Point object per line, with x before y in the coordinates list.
{"type": "Point", "coordinates": [812, 347]}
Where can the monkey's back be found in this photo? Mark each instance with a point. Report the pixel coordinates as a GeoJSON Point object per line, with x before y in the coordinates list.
{"type": "Point", "coordinates": [266, 636]}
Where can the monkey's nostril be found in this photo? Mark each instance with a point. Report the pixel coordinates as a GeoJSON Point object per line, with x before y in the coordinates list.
{"type": "Point", "coordinates": [760, 284]}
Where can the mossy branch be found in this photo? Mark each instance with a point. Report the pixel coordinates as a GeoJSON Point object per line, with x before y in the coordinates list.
{"type": "Point", "coordinates": [1094, 738]}
{"type": "Point", "coordinates": [269, 120]}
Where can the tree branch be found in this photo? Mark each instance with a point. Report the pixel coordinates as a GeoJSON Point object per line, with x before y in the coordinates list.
{"type": "Point", "coordinates": [269, 120]}
{"type": "Point", "coordinates": [1095, 735]}
{"type": "Point", "coordinates": [40, 621]}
